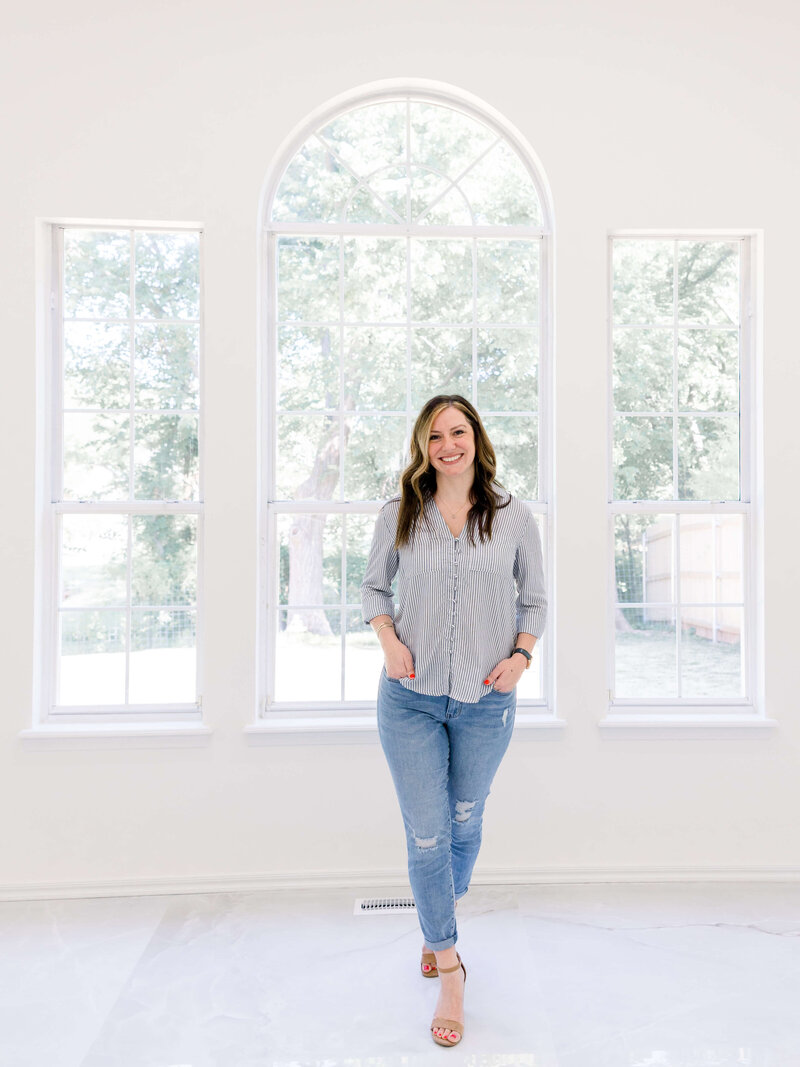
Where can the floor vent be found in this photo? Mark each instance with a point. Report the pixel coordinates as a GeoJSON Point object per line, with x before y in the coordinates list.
{"type": "Point", "coordinates": [375, 905]}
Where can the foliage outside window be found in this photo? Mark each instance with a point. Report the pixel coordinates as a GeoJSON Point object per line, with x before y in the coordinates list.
{"type": "Point", "coordinates": [405, 245]}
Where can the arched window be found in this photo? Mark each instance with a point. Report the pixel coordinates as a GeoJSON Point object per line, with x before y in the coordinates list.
{"type": "Point", "coordinates": [406, 254]}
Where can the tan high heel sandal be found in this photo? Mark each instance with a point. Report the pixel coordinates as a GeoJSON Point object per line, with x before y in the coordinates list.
{"type": "Point", "coordinates": [449, 1024]}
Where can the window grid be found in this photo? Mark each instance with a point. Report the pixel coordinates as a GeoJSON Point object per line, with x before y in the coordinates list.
{"type": "Point", "coordinates": [411, 229]}
{"type": "Point", "coordinates": [678, 507]}
{"type": "Point", "coordinates": [56, 507]}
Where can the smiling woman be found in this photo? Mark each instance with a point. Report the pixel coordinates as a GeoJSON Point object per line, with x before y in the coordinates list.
{"type": "Point", "coordinates": [469, 613]}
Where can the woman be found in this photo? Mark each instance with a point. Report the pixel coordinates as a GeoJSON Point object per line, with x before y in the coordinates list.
{"type": "Point", "coordinates": [469, 613]}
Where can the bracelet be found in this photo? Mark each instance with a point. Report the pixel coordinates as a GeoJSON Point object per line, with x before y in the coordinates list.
{"type": "Point", "coordinates": [382, 626]}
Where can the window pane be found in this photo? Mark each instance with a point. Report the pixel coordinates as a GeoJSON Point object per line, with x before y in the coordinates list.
{"type": "Point", "coordinates": [375, 367]}
{"type": "Point", "coordinates": [644, 551]}
{"type": "Point", "coordinates": [439, 205]}
{"type": "Point", "coordinates": [314, 186]}
{"type": "Point", "coordinates": [94, 554]}
{"type": "Point", "coordinates": [644, 652]}
{"type": "Point", "coordinates": [163, 657]}
{"type": "Point", "coordinates": [712, 549]}
{"type": "Point", "coordinates": [359, 539]}
{"type": "Point", "coordinates": [708, 370]}
{"type": "Point", "coordinates": [441, 362]}
{"type": "Point", "coordinates": [308, 367]}
{"type": "Point", "coordinates": [441, 280]}
{"type": "Point", "coordinates": [708, 282]}
{"type": "Point", "coordinates": [308, 655]}
{"type": "Point", "coordinates": [508, 281]}
{"type": "Point", "coordinates": [368, 138]}
{"type": "Point", "coordinates": [643, 282]}
{"type": "Point", "coordinates": [97, 365]}
{"type": "Point", "coordinates": [374, 279]}
{"type": "Point", "coordinates": [708, 458]}
{"type": "Point", "coordinates": [428, 186]}
{"type": "Point", "coordinates": [447, 140]}
{"type": "Point", "coordinates": [375, 456]}
{"type": "Point", "coordinates": [97, 274]}
{"type": "Point", "coordinates": [310, 554]}
{"type": "Point", "coordinates": [96, 456]}
{"type": "Point", "coordinates": [711, 652]}
{"type": "Point", "coordinates": [508, 367]}
{"type": "Point", "coordinates": [166, 457]}
{"type": "Point", "coordinates": [516, 444]}
{"type": "Point", "coordinates": [166, 366]}
{"type": "Point", "coordinates": [500, 191]}
{"type": "Point", "coordinates": [164, 571]}
{"type": "Point", "coordinates": [643, 364]}
{"type": "Point", "coordinates": [92, 657]}
{"type": "Point", "coordinates": [307, 460]}
{"type": "Point", "coordinates": [383, 201]}
{"type": "Point", "coordinates": [642, 457]}
{"type": "Point", "coordinates": [167, 275]}
{"type": "Point", "coordinates": [301, 259]}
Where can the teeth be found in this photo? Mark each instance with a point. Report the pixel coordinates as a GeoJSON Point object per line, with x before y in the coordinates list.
{"type": "Point", "coordinates": [451, 459]}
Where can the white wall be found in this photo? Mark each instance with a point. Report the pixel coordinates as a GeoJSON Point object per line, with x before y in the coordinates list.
{"type": "Point", "coordinates": [682, 115]}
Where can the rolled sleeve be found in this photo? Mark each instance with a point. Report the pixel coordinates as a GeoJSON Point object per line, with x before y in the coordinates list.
{"type": "Point", "coordinates": [529, 574]}
{"type": "Point", "coordinates": [382, 564]}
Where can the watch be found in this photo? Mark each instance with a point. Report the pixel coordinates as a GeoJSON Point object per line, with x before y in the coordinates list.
{"type": "Point", "coordinates": [525, 653]}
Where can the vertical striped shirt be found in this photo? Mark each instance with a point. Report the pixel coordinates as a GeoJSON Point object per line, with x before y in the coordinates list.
{"type": "Point", "coordinates": [460, 606]}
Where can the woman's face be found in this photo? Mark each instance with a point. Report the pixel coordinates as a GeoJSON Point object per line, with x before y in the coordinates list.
{"type": "Point", "coordinates": [452, 444]}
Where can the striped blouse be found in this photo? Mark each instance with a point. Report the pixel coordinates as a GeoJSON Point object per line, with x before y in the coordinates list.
{"type": "Point", "coordinates": [460, 606]}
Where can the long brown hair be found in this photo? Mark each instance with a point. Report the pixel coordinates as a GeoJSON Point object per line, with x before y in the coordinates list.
{"type": "Point", "coordinates": [418, 480]}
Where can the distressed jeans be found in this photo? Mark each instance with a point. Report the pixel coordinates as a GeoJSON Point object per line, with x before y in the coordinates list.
{"type": "Point", "coordinates": [443, 755]}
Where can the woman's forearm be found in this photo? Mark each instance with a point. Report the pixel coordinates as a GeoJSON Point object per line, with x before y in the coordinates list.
{"type": "Point", "coordinates": [387, 633]}
{"type": "Point", "coordinates": [526, 641]}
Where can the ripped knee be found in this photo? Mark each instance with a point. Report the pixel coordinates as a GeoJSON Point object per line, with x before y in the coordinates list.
{"type": "Point", "coordinates": [425, 842]}
{"type": "Point", "coordinates": [464, 809]}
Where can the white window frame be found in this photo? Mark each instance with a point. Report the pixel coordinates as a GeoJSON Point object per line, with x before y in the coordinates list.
{"type": "Point", "coordinates": [352, 721]}
{"type": "Point", "coordinates": [698, 716]}
{"type": "Point", "coordinates": [147, 725]}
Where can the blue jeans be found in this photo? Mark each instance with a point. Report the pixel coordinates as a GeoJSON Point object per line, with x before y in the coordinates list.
{"type": "Point", "coordinates": [443, 755]}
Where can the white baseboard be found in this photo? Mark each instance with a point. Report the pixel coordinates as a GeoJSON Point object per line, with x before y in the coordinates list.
{"type": "Point", "coordinates": [393, 879]}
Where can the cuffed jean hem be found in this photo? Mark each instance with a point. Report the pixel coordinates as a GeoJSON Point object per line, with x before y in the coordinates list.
{"type": "Point", "coordinates": [439, 946]}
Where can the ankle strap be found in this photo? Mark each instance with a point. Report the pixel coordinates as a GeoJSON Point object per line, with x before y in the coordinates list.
{"type": "Point", "coordinates": [446, 970]}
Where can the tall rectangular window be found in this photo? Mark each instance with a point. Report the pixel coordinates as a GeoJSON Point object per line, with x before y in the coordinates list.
{"type": "Point", "coordinates": [123, 507]}
{"type": "Point", "coordinates": [681, 511]}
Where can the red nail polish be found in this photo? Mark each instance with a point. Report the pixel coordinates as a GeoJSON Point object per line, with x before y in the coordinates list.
{"type": "Point", "coordinates": [412, 675]}
{"type": "Point", "coordinates": [485, 681]}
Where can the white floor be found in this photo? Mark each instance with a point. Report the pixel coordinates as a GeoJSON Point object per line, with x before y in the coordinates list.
{"type": "Point", "coordinates": [645, 975]}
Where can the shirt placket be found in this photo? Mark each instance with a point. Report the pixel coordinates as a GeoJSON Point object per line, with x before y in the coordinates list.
{"type": "Point", "coordinates": [454, 569]}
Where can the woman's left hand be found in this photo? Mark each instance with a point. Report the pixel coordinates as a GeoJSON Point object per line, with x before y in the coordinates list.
{"type": "Point", "coordinates": [506, 674]}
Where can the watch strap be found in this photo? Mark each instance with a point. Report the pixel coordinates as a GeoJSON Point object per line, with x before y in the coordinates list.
{"type": "Point", "coordinates": [525, 653]}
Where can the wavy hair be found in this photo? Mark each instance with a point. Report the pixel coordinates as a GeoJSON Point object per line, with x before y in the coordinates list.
{"type": "Point", "coordinates": [418, 480]}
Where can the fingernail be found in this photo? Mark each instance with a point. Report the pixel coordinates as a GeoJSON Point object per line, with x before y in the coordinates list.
{"type": "Point", "coordinates": [412, 675]}
{"type": "Point", "coordinates": [485, 681]}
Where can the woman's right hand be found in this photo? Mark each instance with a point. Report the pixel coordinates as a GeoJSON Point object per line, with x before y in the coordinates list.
{"type": "Point", "coordinates": [398, 659]}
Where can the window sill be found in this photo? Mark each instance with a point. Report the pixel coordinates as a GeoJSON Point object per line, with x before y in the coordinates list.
{"type": "Point", "coordinates": [116, 735]}
{"type": "Point", "coordinates": [652, 725]}
{"type": "Point", "coordinates": [277, 729]}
